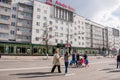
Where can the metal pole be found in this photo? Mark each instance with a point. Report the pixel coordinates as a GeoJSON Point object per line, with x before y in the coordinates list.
{"type": "Point", "coordinates": [68, 38]}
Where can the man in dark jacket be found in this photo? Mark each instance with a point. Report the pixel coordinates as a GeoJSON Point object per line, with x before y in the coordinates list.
{"type": "Point", "coordinates": [118, 60]}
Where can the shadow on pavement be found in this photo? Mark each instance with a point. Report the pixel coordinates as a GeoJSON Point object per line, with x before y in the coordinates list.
{"type": "Point", "coordinates": [107, 69]}
{"type": "Point", "coordinates": [38, 74]}
{"type": "Point", "coordinates": [112, 64]}
{"type": "Point", "coordinates": [114, 71]}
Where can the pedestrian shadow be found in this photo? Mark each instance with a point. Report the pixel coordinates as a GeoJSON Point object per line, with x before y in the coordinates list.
{"type": "Point", "coordinates": [114, 71]}
{"type": "Point", "coordinates": [37, 74]}
{"type": "Point", "coordinates": [111, 70]}
{"type": "Point", "coordinates": [106, 69]}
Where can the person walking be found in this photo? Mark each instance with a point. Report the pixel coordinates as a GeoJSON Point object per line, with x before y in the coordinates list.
{"type": "Point", "coordinates": [85, 56]}
{"type": "Point", "coordinates": [77, 59]}
{"type": "Point", "coordinates": [118, 60]}
{"type": "Point", "coordinates": [56, 61]}
{"type": "Point", "coordinates": [73, 58]}
{"type": "Point", "coordinates": [66, 61]}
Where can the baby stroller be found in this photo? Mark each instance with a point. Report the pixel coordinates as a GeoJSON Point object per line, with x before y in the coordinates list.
{"type": "Point", "coordinates": [80, 63]}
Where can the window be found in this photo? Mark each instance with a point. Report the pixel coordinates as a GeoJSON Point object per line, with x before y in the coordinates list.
{"type": "Point", "coordinates": [14, 8]}
{"type": "Point", "coordinates": [61, 28]}
{"type": "Point", "coordinates": [75, 39]}
{"type": "Point", "coordinates": [82, 38]}
{"type": "Point", "coordinates": [56, 41]}
{"type": "Point", "coordinates": [50, 29]}
{"type": "Point", "coordinates": [45, 11]}
{"type": "Point", "coordinates": [56, 21]}
{"type": "Point", "coordinates": [37, 38]}
{"type": "Point", "coordinates": [12, 32]}
{"type": "Point", "coordinates": [4, 17]}
{"type": "Point", "coordinates": [37, 30]}
{"type": "Point", "coordinates": [61, 34]}
{"type": "Point", "coordinates": [75, 28]}
{"type": "Point", "coordinates": [38, 23]}
{"type": "Point", "coordinates": [3, 26]}
{"type": "Point", "coordinates": [79, 43]}
{"type": "Point", "coordinates": [45, 18]}
{"type": "Point", "coordinates": [61, 22]}
{"type": "Point", "coordinates": [38, 16]}
{"type": "Point", "coordinates": [38, 9]}
{"type": "Point", "coordinates": [56, 27]}
{"type": "Point", "coordinates": [12, 23]}
{"type": "Point", "coordinates": [50, 36]}
{"type": "Point", "coordinates": [61, 41]}
{"type": "Point", "coordinates": [82, 43]}
{"type": "Point", "coordinates": [56, 34]}
{"type": "Point", "coordinates": [3, 35]}
{"type": "Point", "coordinates": [13, 16]}
{"type": "Point", "coordinates": [50, 22]}
{"type": "Point", "coordinates": [6, 9]}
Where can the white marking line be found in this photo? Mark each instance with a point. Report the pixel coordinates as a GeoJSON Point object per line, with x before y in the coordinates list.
{"type": "Point", "coordinates": [15, 69]}
{"type": "Point", "coordinates": [102, 62]}
{"type": "Point", "coordinates": [32, 68]}
{"type": "Point", "coordinates": [69, 74]}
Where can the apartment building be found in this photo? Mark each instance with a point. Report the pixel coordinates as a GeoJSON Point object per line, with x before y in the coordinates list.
{"type": "Point", "coordinates": [28, 26]}
{"type": "Point", "coordinates": [5, 14]}
{"type": "Point", "coordinates": [113, 39]}
{"type": "Point", "coordinates": [62, 25]}
{"type": "Point", "coordinates": [95, 36]}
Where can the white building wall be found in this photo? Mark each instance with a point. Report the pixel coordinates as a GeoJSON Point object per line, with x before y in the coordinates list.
{"type": "Point", "coordinates": [59, 27]}
{"type": "Point", "coordinates": [94, 34]}
{"type": "Point", "coordinates": [113, 41]}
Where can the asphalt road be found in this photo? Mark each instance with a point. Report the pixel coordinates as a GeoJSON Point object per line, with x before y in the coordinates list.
{"type": "Point", "coordinates": [99, 69]}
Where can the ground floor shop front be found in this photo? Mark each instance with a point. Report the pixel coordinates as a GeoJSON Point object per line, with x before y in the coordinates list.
{"type": "Point", "coordinates": [35, 49]}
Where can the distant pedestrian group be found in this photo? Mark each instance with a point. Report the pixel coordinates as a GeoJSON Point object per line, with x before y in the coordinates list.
{"type": "Point", "coordinates": [76, 60]}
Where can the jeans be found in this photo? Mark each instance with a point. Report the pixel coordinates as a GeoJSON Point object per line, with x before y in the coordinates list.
{"type": "Point", "coordinates": [66, 67]}
{"type": "Point", "coordinates": [118, 63]}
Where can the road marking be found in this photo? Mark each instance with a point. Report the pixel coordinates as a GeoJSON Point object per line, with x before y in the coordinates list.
{"type": "Point", "coordinates": [15, 69]}
{"type": "Point", "coordinates": [33, 68]}
{"type": "Point", "coordinates": [102, 62]}
{"type": "Point", "coordinates": [70, 74]}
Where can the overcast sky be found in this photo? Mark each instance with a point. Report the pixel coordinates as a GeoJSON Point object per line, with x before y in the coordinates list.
{"type": "Point", "coordinates": [105, 12]}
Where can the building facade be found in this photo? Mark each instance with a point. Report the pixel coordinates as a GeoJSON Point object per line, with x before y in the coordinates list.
{"type": "Point", "coordinates": [28, 27]}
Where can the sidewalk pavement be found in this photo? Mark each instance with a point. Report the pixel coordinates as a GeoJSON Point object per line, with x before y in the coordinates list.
{"type": "Point", "coordinates": [37, 57]}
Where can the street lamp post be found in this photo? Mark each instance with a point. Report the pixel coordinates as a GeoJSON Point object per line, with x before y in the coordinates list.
{"type": "Point", "coordinates": [68, 38]}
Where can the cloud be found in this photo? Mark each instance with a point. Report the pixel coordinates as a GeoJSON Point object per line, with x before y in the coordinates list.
{"type": "Point", "coordinates": [105, 12]}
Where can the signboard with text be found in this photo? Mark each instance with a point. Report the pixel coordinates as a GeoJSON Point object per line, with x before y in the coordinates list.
{"type": "Point", "coordinates": [50, 2]}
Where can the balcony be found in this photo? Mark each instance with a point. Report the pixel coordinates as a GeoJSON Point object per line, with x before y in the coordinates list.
{"type": "Point", "coordinates": [23, 40]}
{"type": "Point", "coordinates": [24, 25]}
{"type": "Point", "coordinates": [3, 39]}
{"type": "Point", "coordinates": [23, 33]}
{"type": "Point", "coordinates": [25, 9]}
{"type": "Point", "coordinates": [24, 17]}
{"type": "Point", "coordinates": [5, 5]}
{"type": "Point", "coordinates": [4, 30]}
{"type": "Point", "coordinates": [2, 12]}
{"type": "Point", "coordinates": [5, 21]}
